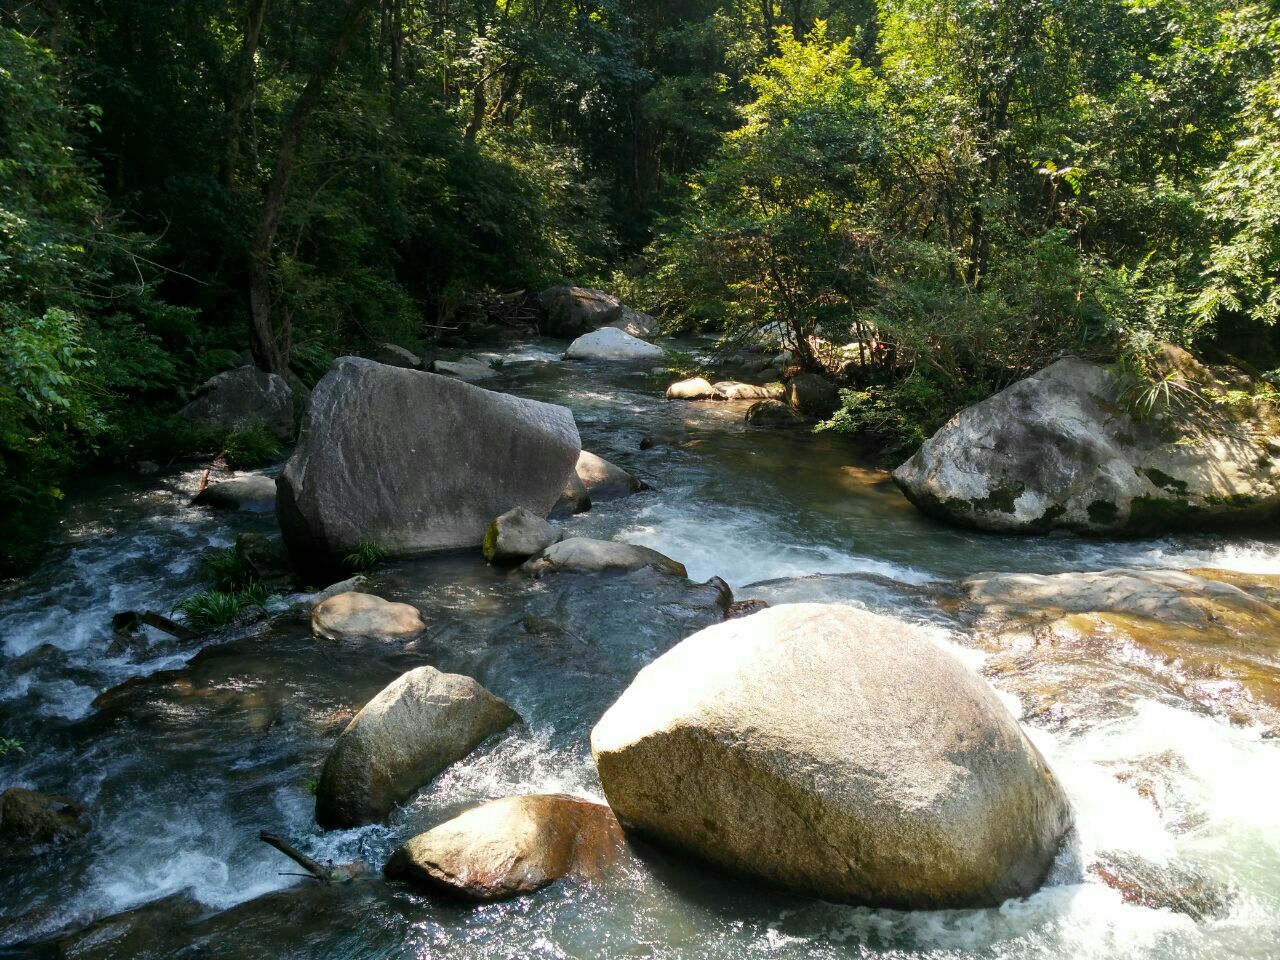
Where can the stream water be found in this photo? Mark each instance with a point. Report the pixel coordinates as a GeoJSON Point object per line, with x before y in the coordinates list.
{"type": "Point", "coordinates": [209, 742]}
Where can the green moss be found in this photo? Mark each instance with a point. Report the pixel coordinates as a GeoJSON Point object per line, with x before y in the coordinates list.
{"type": "Point", "coordinates": [1161, 514]}
{"type": "Point", "coordinates": [1001, 499]}
{"type": "Point", "coordinates": [1103, 512]}
{"type": "Point", "coordinates": [490, 543]}
{"type": "Point", "coordinates": [1239, 500]}
{"type": "Point", "coordinates": [1164, 481]}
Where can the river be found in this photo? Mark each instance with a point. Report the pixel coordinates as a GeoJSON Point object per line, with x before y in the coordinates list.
{"type": "Point", "coordinates": [182, 767]}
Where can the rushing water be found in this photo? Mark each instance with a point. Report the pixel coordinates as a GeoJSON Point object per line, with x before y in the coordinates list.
{"type": "Point", "coordinates": [200, 750]}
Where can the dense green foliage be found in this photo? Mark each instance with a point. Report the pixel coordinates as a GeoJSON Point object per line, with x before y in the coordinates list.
{"type": "Point", "coordinates": [927, 198]}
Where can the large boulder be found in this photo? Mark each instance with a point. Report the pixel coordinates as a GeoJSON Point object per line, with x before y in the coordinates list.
{"type": "Point", "coordinates": [837, 753]}
{"type": "Point", "coordinates": [575, 310]}
{"type": "Point", "coordinates": [603, 480]}
{"type": "Point", "coordinates": [354, 614]}
{"type": "Point", "coordinates": [693, 388]}
{"type": "Point", "coordinates": [1063, 449]}
{"type": "Point", "coordinates": [811, 395]}
{"type": "Point", "coordinates": [254, 493]}
{"type": "Point", "coordinates": [417, 726]}
{"type": "Point", "coordinates": [30, 820]}
{"type": "Point", "coordinates": [414, 462]}
{"type": "Point", "coordinates": [509, 847]}
{"type": "Point", "coordinates": [1209, 637]}
{"type": "Point", "coordinates": [517, 535]}
{"type": "Point", "coordinates": [243, 398]}
{"type": "Point", "coordinates": [584, 555]}
{"type": "Point", "coordinates": [610, 343]}
{"type": "Point", "coordinates": [633, 322]}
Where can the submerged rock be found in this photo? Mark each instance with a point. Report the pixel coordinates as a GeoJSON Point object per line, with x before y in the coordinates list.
{"type": "Point", "coordinates": [242, 398]}
{"type": "Point", "coordinates": [603, 480]}
{"type": "Point", "coordinates": [610, 343]}
{"type": "Point", "coordinates": [1060, 449]}
{"type": "Point", "coordinates": [466, 368]}
{"type": "Point", "coordinates": [518, 535]}
{"type": "Point", "coordinates": [792, 746]}
{"type": "Point", "coordinates": [254, 493]}
{"type": "Point", "coordinates": [732, 390]}
{"type": "Point", "coordinates": [364, 615]}
{"type": "Point", "coordinates": [416, 727]}
{"type": "Point", "coordinates": [1168, 886]}
{"type": "Point", "coordinates": [575, 310]}
{"type": "Point", "coordinates": [773, 413]}
{"type": "Point", "coordinates": [30, 820]}
{"type": "Point", "coordinates": [509, 847]}
{"type": "Point", "coordinates": [414, 462]}
{"type": "Point", "coordinates": [584, 555]}
{"type": "Point", "coordinates": [694, 388]}
{"type": "Point", "coordinates": [1202, 639]}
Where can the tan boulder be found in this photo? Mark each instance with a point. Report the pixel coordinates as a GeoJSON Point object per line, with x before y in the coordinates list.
{"type": "Point", "coordinates": [364, 615]}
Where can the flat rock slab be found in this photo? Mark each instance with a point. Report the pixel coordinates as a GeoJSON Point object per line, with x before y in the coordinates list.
{"type": "Point", "coordinates": [417, 726]}
{"type": "Point", "coordinates": [510, 847]}
{"type": "Point", "coordinates": [584, 555]}
{"type": "Point", "coordinates": [414, 463]}
{"type": "Point", "coordinates": [833, 752]}
{"type": "Point", "coordinates": [364, 615]}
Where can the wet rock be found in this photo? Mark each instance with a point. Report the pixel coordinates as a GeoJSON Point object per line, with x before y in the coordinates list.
{"type": "Point", "coordinates": [575, 310]}
{"type": "Point", "coordinates": [605, 481]}
{"type": "Point", "coordinates": [518, 535]}
{"type": "Point", "coordinates": [356, 584]}
{"type": "Point", "coordinates": [694, 388]}
{"type": "Point", "coordinates": [267, 560]}
{"type": "Point", "coordinates": [744, 608]}
{"type": "Point", "coordinates": [414, 463]}
{"type": "Point", "coordinates": [773, 413]}
{"type": "Point", "coordinates": [574, 499]}
{"type": "Point", "coordinates": [416, 727]}
{"type": "Point", "coordinates": [364, 615]}
{"type": "Point", "coordinates": [658, 440]}
{"type": "Point", "coordinates": [610, 343]}
{"type": "Point", "coordinates": [466, 368]}
{"type": "Point", "coordinates": [1059, 450]}
{"type": "Point", "coordinates": [254, 493]}
{"type": "Point", "coordinates": [510, 847]}
{"type": "Point", "coordinates": [243, 398]}
{"type": "Point", "coordinates": [1168, 886]}
{"type": "Point", "coordinates": [30, 820]}
{"type": "Point", "coordinates": [811, 395]}
{"type": "Point", "coordinates": [584, 555]}
{"type": "Point", "coordinates": [1204, 640]}
{"type": "Point", "coordinates": [793, 747]}
{"type": "Point", "coordinates": [394, 355]}
{"type": "Point", "coordinates": [732, 390]}
{"type": "Point", "coordinates": [633, 322]}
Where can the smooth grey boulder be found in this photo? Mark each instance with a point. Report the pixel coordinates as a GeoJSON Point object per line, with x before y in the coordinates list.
{"type": "Point", "coordinates": [510, 847]}
{"type": "Point", "coordinates": [353, 614]}
{"type": "Point", "coordinates": [241, 398]}
{"type": "Point", "coordinates": [584, 555]}
{"type": "Point", "coordinates": [414, 462]}
{"type": "Point", "coordinates": [610, 343]}
{"type": "Point", "coordinates": [575, 310]}
{"type": "Point", "coordinates": [465, 368]}
{"type": "Point", "coordinates": [1061, 449]}
{"type": "Point", "coordinates": [604, 480]}
{"type": "Point", "coordinates": [517, 535]}
{"type": "Point", "coordinates": [256, 494]}
{"type": "Point", "coordinates": [733, 390]}
{"type": "Point", "coordinates": [693, 388]}
{"type": "Point", "coordinates": [833, 752]}
{"type": "Point", "coordinates": [811, 395]}
{"type": "Point", "coordinates": [417, 726]}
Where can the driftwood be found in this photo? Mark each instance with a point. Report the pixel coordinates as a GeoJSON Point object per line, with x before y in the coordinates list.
{"type": "Point", "coordinates": [131, 620]}
{"type": "Point", "coordinates": [325, 873]}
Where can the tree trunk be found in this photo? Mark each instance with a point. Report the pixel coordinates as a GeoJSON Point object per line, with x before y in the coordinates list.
{"type": "Point", "coordinates": [269, 354]}
{"type": "Point", "coordinates": [240, 93]}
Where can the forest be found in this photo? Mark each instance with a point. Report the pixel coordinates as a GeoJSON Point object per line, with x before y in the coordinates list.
{"type": "Point", "coordinates": [976, 186]}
